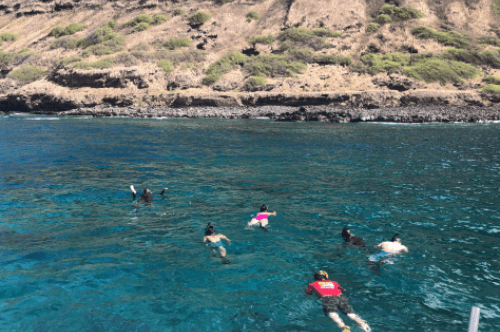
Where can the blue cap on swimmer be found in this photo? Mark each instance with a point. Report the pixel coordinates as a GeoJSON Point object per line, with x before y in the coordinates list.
{"type": "Point", "coordinates": [209, 230]}
{"type": "Point", "coordinates": [263, 208]}
{"type": "Point", "coordinates": [395, 238]}
{"type": "Point", "coordinates": [321, 275]}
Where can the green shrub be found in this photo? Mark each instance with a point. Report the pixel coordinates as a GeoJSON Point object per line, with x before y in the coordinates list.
{"type": "Point", "coordinates": [178, 42]}
{"type": "Point", "coordinates": [166, 65]}
{"type": "Point", "coordinates": [400, 13]}
{"type": "Point", "coordinates": [71, 59]}
{"type": "Point", "coordinates": [492, 79]}
{"type": "Point", "coordinates": [70, 29]}
{"type": "Point", "coordinates": [451, 38]}
{"type": "Point", "coordinates": [491, 88]}
{"type": "Point", "coordinates": [372, 27]}
{"type": "Point", "coordinates": [271, 65]}
{"type": "Point", "coordinates": [28, 74]}
{"type": "Point", "coordinates": [332, 59]}
{"type": "Point", "coordinates": [178, 57]}
{"type": "Point", "coordinates": [321, 32]}
{"type": "Point", "coordinates": [301, 54]}
{"type": "Point", "coordinates": [142, 46]}
{"type": "Point", "coordinates": [7, 36]}
{"type": "Point", "coordinates": [143, 26]}
{"type": "Point", "coordinates": [300, 37]}
{"type": "Point", "coordinates": [103, 41]}
{"type": "Point", "coordinates": [383, 19]}
{"type": "Point", "coordinates": [199, 17]}
{"type": "Point", "coordinates": [359, 68]}
{"type": "Point", "coordinates": [486, 58]}
{"type": "Point", "coordinates": [179, 11]}
{"type": "Point", "coordinates": [73, 28]}
{"type": "Point", "coordinates": [106, 62]}
{"type": "Point", "coordinates": [159, 19]}
{"type": "Point", "coordinates": [488, 40]}
{"type": "Point", "coordinates": [126, 59]}
{"type": "Point", "coordinates": [390, 63]}
{"type": "Point", "coordinates": [255, 81]}
{"type": "Point", "coordinates": [141, 18]}
{"type": "Point", "coordinates": [15, 58]}
{"type": "Point", "coordinates": [110, 24]}
{"type": "Point", "coordinates": [496, 7]}
{"type": "Point", "coordinates": [266, 40]}
{"type": "Point", "coordinates": [68, 42]}
{"type": "Point", "coordinates": [225, 64]}
{"type": "Point", "coordinates": [57, 31]}
{"type": "Point", "coordinates": [442, 71]}
{"type": "Point", "coordinates": [252, 15]}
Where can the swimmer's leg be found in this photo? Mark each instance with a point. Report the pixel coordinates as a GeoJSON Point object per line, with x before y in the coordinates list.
{"type": "Point", "coordinates": [362, 324]}
{"type": "Point", "coordinates": [263, 223]}
{"type": "Point", "coordinates": [223, 255]}
{"type": "Point", "coordinates": [336, 318]}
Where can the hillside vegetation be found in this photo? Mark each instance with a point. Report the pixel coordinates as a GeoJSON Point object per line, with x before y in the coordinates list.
{"type": "Point", "coordinates": [81, 49]}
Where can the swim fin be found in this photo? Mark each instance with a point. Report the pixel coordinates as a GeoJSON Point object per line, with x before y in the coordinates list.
{"type": "Point", "coordinates": [225, 261]}
{"type": "Point", "coordinates": [346, 329]}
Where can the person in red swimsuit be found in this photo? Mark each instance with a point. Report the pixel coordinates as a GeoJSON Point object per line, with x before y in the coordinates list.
{"type": "Point", "coordinates": [330, 294]}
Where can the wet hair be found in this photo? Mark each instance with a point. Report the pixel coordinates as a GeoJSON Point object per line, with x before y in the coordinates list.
{"type": "Point", "coordinates": [321, 275]}
{"type": "Point", "coordinates": [210, 230]}
{"type": "Point", "coordinates": [147, 197]}
{"type": "Point", "coordinates": [354, 240]}
{"type": "Point", "coordinates": [346, 233]}
{"type": "Point", "coordinates": [264, 208]}
{"type": "Point", "coordinates": [395, 238]}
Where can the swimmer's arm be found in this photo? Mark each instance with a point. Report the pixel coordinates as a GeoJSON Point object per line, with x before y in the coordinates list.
{"type": "Point", "coordinates": [134, 193]}
{"type": "Point", "coordinates": [204, 239]}
{"type": "Point", "coordinates": [309, 290]}
{"type": "Point", "coordinates": [405, 249]}
{"type": "Point", "coordinates": [379, 245]}
{"type": "Point", "coordinates": [272, 213]}
{"type": "Point", "coordinates": [163, 191]}
{"type": "Point", "coordinates": [225, 238]}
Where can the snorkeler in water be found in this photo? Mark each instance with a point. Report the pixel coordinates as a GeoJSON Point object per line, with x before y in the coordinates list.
{"type": "Point", "coordinates": [349, 239]}
{"type": "Point", "coordinates": [331, 297]}
{"type": "Point", "coordinates": [261, 218]}
{"type": "Point", "coordinates": [393, 247]}
{"type": "Point", "coordinates": [389, 248]}
{"type": "Point", "coordinates": [147, 197]}
{"type": "Point", "coordinates": [214, 242]}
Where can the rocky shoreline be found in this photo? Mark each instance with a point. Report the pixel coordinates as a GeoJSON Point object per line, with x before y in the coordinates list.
{"type": "Point", "coordinates": [322, 113]}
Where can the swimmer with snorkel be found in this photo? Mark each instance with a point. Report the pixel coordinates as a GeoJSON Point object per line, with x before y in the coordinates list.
{"type": "Point", "coordinates": [214, 242]}
{"type": "Point", "coordinates": [261, 218]}
{"type": "Point", "coordinates": [389, 248]}
{"type": "Point", "coordinates": [331, 297]}
{"type": "Point", "coordinates": [350, 239]}
{"type": "Point", "coordinates": [147, 197]}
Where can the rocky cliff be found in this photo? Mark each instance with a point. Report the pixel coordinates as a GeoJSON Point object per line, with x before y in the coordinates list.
{"type": "Point", "coordinates": [59, 55]}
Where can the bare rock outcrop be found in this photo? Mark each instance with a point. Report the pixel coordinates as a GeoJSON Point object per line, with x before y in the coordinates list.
{"type": "Point", "coordinates": [106, 78]}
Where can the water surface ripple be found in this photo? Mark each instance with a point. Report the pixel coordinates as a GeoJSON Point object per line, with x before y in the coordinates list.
{"type": "Point", "coordinates": [76, 257]}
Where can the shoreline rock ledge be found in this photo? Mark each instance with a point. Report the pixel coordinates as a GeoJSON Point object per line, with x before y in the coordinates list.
{"type": "Point", "coordinates": [322, 113]}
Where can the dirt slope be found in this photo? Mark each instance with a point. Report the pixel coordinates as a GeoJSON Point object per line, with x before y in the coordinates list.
{"type": "Point", "coordinates": [134, 73]}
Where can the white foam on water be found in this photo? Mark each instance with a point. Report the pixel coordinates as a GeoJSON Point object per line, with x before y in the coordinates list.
{"type": "Point", "coordinates": [263, 118]}
{"type": "Point", "coordinates": [162, 118]}
{"type": "Point", "coordinates": [41, 119]}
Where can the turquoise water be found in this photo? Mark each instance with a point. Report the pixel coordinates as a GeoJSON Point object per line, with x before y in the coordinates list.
{"type": "Point", "coordinates": [76, 257]}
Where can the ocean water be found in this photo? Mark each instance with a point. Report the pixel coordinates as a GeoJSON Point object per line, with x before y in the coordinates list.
{"type": "Point", "coordinates": [77, 256]}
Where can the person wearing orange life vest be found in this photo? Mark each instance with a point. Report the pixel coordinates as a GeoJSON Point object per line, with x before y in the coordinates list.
{"type": "Point", "coordinates": [331, 297]}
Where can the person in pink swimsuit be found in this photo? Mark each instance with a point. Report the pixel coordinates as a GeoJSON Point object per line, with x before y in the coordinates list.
{"type": "Point", "coordinates": [261, 218]}
{"type": "Point", "coordinates": [330, 294]}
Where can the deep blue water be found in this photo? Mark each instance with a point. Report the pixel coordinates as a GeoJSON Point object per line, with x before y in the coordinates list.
{"type": "Point", "coordinates": [76, 257]}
